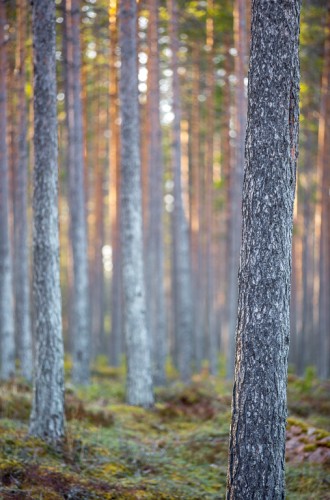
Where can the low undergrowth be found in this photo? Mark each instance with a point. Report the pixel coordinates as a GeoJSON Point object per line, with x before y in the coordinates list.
{"type": "Point", "coordinates": [178, 450]}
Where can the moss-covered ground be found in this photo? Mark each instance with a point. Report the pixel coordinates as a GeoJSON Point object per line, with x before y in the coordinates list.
{"type": "Point", "coordinates": [178, 450]}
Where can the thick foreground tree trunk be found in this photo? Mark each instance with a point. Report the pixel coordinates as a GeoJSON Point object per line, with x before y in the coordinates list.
{"type": "Point", "coordinates": [47, 417]}
{"type": "Point", "coordinates": [139, 376]}
{"type": "Point", "coordinates": [257, 440]}
{"type": "Point", "coordinates": [7, 343]}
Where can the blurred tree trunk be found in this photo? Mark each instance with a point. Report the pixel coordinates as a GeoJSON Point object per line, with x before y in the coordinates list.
{"type": "Point", "coordinates": [322, 221]}
{"type": "Point", "coordinates": [116, 338]}
{"type": "Point", "coordinates": [7, 367]}
{"type": "Point", "coordinates": [47, 417]}
{"type": "Point", "coordinates": [306, 188]}
{"type": "Point", "coordinates": [226, 169]}
{"type": "Point", "coordinates": [78, 229]}
{"type": "Point", "coordinates": [182, 292]}
{"type": "Point", "coordinates": [236, 177]}
{"type": "Point", "coordinates": [21, 244]}
{"type": "Point", "coordinates": [211, 337]}
{"type": "Point", "coordinates": [139, 372]}
{"type": "Point", "coordinates": [155, 243]}
{"type": "Point", "coordinates": [195, 202]}
{"type": "Point", "coordinates": [258, 427]}
{"type": "Point", "coordinates": [293, 354]}
{"type": "Point", "coordinates": [97, 281]}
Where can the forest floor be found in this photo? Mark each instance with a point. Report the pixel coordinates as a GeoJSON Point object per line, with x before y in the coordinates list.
{"type": "Point", "coordinates": [178, 450]}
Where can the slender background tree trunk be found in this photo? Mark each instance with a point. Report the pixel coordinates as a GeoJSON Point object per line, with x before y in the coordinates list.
{"type": "Point", "coordinates": [155, 244]}
{"type": "Point", "coordinates": [181, 250]}
{"type": "Point", "coordinates": [21, 241]}
{"type": "Point", "coordinates": [78, 229]}
{"type": "Point", "coordinates": [139, 372]}
{"type": "Point", "coordinates": [7, 367]}
{"type": "Point", "coordinates": [236, 177]}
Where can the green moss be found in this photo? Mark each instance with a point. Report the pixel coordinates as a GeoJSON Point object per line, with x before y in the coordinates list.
{"type": "Point", "coordinates": [310, 447]}
{"type": "Point", "coordinates": [113, 451]}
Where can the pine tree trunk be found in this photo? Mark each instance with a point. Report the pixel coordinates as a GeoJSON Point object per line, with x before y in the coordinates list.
{"type": "Point", "coordinates": [47, 417]}
{"type": "Point", "coordinates": [181, 250]}
{"type": "Point", "coordinates": [195, 205]}
{"type": "Point", "coordinates": [211, 337]}
{"type": "Point", "coordinates": [155, 252]}
{"type": "Point", "coordinates": [139, 376]}
{"type": "Point", "coordinates": [236, 178]}
{"type": "Point", "coordinates": [257, 439]}
{"type": "Point", "coordinates": [97, 276]}
{"type": "Point", "coordinates": [78, 229]}
{"type": "Point", "coordinates": [7, 342]}
{"type": "Point", "coordinates": [323, 219]}
{"type": "Point", "coordinates": [116, 338]}
{"type": "Point", "coordinates": [306, 345]}
{"type": "Point", "coordinates": [21, 244]}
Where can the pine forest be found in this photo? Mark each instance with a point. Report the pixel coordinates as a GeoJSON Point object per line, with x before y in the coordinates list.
{"type": "Point", "coordinates": [165, 249]}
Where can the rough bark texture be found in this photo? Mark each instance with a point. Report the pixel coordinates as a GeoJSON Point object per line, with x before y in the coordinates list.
{"type": "Point", "coordinates": [257, 439]}
{"type": "Point", "coordinates": [155, 253]}
{"type": "Point", "coordinates": [47, 417]}
{"type": "Point", "coordinates": [139, 376]}
{"type": "Point", "coordinates": [182, 292]}
{"type": "Point", "coordinates": [7, 343]}
{"type": "Point", "coordinates": [21, 243]}
{"type": "Point", "coordinates": [78, 229]}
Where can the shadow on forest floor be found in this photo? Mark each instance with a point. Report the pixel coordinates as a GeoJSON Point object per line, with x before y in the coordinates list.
{"type": "Point", "coordinates": [176, 451]}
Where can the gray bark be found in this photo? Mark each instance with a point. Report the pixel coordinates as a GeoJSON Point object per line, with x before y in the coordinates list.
{"type": "Point", "coordinates": [21, 243]}
{"type": "Point", "coordinates": [139, 374]}
{"type": "Point", "coordinates": [47, 417]}
{"type": "Point", "coordinates": [257, 439]}
{"type": "Point", "coordinates": [181, 250]}
{"type": "Point", "coordinates": [305, 206]}
{"type": "Point", "coordinates": [7, 367]}
{"type": "Point", "coordinates": [155, 252]}
{"type": "Point", "coordinates": [210, 220]}
{"type": "Point", "coordinates": [236, 179]}
{"type": "Point", "coordinates": [324, 212]}
{"type": "Point", "coordinates": [116, 338]}
{"type": "Point", "coordinates": [195, 207]}
{"type": "Point", "coordinates": [78, 227]}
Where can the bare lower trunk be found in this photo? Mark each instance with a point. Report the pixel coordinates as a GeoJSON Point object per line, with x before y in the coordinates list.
{"type": "Point", "coordinates": [139, 374]}
{"type": "Point", "coordinates": [78, 229]}
{"type": "Point", "coordinates": [195, 207]}
{"type": "Point", "coordinates": [323, 213]}
{"type": "Point", "coordinates": [21, 244]}
{"type": "Point", "coordinates": [7, 342]}
{"type": "Point", "coordinates": [116, 338]}
{"type": "Point", "coordinates": [210, 328]}
{"type": "Point", "coordinates": [236, 178]}
{"type": "Point", "coordinates": [155, 257]}
{"type": "Point", "coordinates": [257, 438]}
{"type": "Point", "coordinates": [47, 417]}
{"type": "Point", "coordinates": [181, 251]}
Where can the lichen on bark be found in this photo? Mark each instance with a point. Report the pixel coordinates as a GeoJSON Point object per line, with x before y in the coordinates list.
{"type": "Point", "coordinates": [257, 438]}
